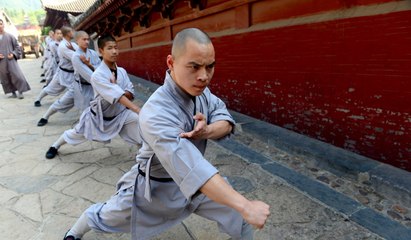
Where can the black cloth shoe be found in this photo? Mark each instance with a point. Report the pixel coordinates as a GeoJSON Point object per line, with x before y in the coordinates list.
{"type": "Point", "coordinates": [42, 75]}
{"type": "Point", "coordinates": [70, 237]}
{"type": "Point", "coordinates": [51, 153]}
{"type": "Point", "coordinates": [43, 80]}
{"type": "Point", "coordinates": [42, 122]}
{"type": "Point", "coordinates": [37, 104]}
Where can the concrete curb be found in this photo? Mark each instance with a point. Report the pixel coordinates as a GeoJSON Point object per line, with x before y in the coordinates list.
{"type": "Point", "coordinates": [352, 209]}
{"type": "Point", "coordinates": [383, 177]}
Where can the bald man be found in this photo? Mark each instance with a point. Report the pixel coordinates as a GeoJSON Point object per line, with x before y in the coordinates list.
{"type": "Point", "coordinates": [80, 92]}
{"type": "Point", "coordinates": [111, 112]}
{"type": "Point", "coordinates": [172, 179]}
{"type": "Point", "coordinates": [64, 76]}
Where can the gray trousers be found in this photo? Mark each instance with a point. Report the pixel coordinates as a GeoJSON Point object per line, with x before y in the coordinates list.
{"type": "Point", "coordinates": [129, 133]}
{"type": "Point", "coordinates": [115, 214]}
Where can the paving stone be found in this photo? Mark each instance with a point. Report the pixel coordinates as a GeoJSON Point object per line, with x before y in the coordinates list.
{"type": "Point", "coordinates": [394, 215]}
{"type": "Point", "coordinates": [42, 168]}
{"type": "Point", "coordinates": [6, 195]}
{"type": "Point", "coordinates": [107, 175]}
{"type": "Point", "coordinates": [91, 156]}
{"type": "Point", "coordinates": [15, 226]}
{"type": "Point", "coordinates": [362, 199]}
{"type": "Point", "coordinates": [96, 191]}
{"type": "Point", "coordinates": [208, 230]}
{"type": "Point", "coordinates": [63, 168]}
{"type": "Point", "coordinates": [29, 206]}
{"type": "Point", "coordinates": [27, 184]}
{"type": "Point", "coordinates": [399, 209]}
{"type": "Point", "coordinates": [75, 177]}
{"type": "Point", "coordinates": [53, 202]}
{"type": "Point", "coordinates": [324, 179]}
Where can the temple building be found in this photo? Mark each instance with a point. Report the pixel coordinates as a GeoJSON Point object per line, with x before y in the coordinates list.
{"type": "Point", "coordinates": [335, 70]}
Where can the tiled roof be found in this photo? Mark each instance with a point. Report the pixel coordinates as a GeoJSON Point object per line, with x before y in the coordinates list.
{"type": "Point", "coordinates": [72, 6]}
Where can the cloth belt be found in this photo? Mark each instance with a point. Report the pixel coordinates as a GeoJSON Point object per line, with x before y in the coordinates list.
{"type": "Point", "coordinates": [146, 175]}
{"type": "Point", "coordinates": [104, 118]}
{"type": "Point", "coordinates": [84, 83]}
{"type": "Point", "coordinates": [155, 178]}
{"type": "Point", "coordinates": [67, 70]}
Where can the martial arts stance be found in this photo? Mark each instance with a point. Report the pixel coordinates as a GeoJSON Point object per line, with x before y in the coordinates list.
{"type": "Point", "coordinates": [80, 93]}
{"type": "Point", "coordinates": [46, 58]}
{"type": "Point", "coordinates": [111, 113]}
{"type": "Point", "coordinates": [11, 76]}
{"type": "Point", "coordinates": [173, 177]}
{"type": "Point", "coordinates": [53, 58]}
{"type": "Point", "coordinates": [64, 76]}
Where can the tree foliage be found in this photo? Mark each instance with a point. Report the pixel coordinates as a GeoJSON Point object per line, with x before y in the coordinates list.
{"type": "Point", "coordinates": [21, 16]}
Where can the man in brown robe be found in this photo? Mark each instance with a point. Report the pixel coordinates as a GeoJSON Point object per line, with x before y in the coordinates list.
{"type": "Point", "coordinates": [11, 76]}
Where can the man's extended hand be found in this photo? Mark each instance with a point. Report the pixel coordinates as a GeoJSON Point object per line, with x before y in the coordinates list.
{"type": "Point", "coordinates": [86, 61]}
{"type": "Point", "coordinates": [10, 56]}
{"type": "Point", "coordinates": [256, 213]}
{"type": "Point", "coordinates": [200, 128]}
{"type": "Point", "coordinates": [70, 46]}
{"type": "Point", "coordinates": [113, 78]}
{"type": "Point", "coordinates": [1, 56]}
{"type": "Point", "coordinates": [129, 95]}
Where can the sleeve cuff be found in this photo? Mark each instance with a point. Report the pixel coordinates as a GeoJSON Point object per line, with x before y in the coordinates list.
{"type": "Point", "coordinates": [197, 177]}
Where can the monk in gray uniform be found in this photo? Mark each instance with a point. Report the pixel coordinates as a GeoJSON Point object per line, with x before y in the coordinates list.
{"type": "Point", "coordinates": [111, 112]}
{"type": "Point", "coordinates": [64, 76]}
{"type": "Point", "coordinates": [80, 93]}
{"type": "Point", "coordinates": [53, 58]}
{"type": "Point", "coordinates": [172, 179]}
{"type": "Point", "coordinates": [47, 54]}
{"type": "Point", "coordinates": [11, 77]}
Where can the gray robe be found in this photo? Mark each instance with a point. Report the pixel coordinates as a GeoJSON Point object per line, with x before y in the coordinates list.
{"type": "Point", "coordinates": [157, 205]}
{"type": "Point", "coordinates": [83, 91]}
{"type": "Point", "coordinates": [52, 61]}
{"type": "Point", "coordinates": [65, 54]}
{"type": "Point", "coordinates": [153, 206]}
{"type": "Point", "coordinates": [92, 123]}
{"type": "Point", "coordinates": [62, 79]}
{"type": "Point", "coordinates": [11, 76]}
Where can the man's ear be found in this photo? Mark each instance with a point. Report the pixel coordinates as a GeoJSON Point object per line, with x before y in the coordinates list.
{"type": "Point", "coordinates": [100, 51]}
{"type": "Point", "coordinates": [170, 62]}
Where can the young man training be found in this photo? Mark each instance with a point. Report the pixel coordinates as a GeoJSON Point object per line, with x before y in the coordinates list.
{"type": "Point", "coordinates": [172, 179]}
{"type": "Point", "coordinates": [112, 111]}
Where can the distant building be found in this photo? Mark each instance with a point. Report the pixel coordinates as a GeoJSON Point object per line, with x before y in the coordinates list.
{"type": "Point", "coordinates": [337, 71]}
{"type": "Point", "coordinates": [60, 12]}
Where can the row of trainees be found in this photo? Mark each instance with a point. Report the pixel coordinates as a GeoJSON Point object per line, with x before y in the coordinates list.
{"type": "Point", "coordinates": [107, 105]}
{"type": "Point", "coordinates": [12, 78]}
{"type": "Point", "coordinates": [171, 178]}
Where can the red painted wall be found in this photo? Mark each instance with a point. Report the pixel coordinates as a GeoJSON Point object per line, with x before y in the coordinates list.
{"type": "Point", "coordinates": [346, 82]}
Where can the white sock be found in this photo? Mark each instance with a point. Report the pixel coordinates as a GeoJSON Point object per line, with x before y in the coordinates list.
{"type": "Point", "coordinates": [41, 95]}
{"type": "Point", "coordinates": [49, 112]}
{"type": "Point", "coordinates": [59, 142]}
{"type": "Point", "coordinates": [80, 227]}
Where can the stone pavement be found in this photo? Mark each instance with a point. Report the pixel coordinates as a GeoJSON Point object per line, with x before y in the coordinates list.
{"type": "Point", "coordinates": [41, 199]}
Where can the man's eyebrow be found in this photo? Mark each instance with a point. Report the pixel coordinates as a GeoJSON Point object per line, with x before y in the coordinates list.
{"type": "Point", "coordinates": [194, 63]}
{"type": "Point", "coordinates": [198, 64]}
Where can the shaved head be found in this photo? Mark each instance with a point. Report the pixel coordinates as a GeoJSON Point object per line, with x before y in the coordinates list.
{"type": "Point", "coordinates": [180, 40]}
{"type": "Point", "coordinates": [80, 34]}
{"type": "Point", "coordinates": [66, 30]}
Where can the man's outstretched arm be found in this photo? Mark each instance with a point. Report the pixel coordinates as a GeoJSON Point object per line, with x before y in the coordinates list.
{"type": "Point", "coordinates": [253, 212]}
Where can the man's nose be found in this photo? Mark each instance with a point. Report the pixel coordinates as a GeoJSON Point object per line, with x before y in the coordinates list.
{"type": "Point", "coordinates": [202, 74]}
